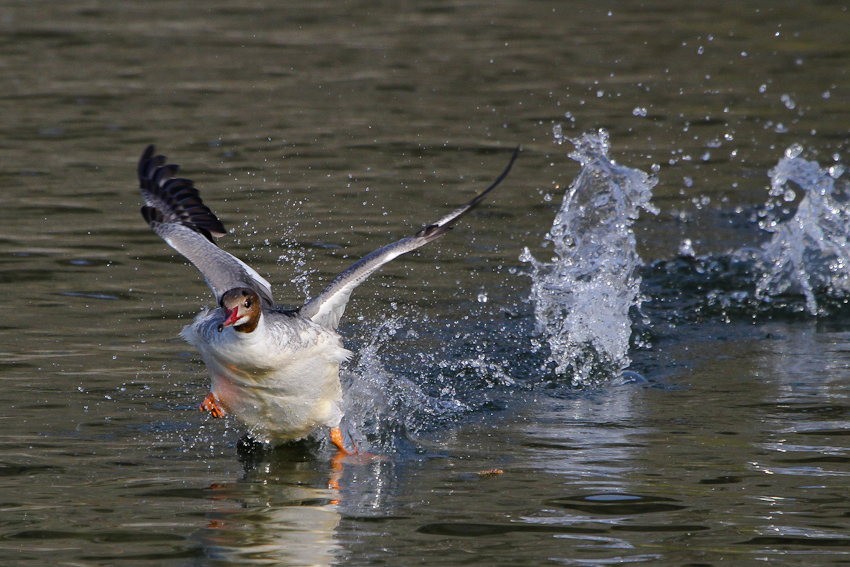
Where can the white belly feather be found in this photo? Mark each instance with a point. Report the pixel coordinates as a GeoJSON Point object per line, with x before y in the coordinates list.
{"type": "Point", "coordinates": [281, 381]}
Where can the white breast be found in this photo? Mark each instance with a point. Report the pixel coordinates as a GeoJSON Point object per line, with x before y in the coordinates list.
{"type": "Point", "coordinates": [282, 380]}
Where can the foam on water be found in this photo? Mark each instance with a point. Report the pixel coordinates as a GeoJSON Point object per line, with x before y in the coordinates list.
{"type": "Point", "coordinates": [809, 254]}
{"type": "Point", "coordinates": [582, 298]}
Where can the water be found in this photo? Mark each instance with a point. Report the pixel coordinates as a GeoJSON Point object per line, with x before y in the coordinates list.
{"type": "Point", "coordinates": [582, 300]}
{"type": "Point", "coordinates": [807, 253]}
{"type": "Point", "coordinates": [320, 132]}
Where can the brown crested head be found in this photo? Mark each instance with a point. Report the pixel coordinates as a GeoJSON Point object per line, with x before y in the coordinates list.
{"type": "Point", "coordinates": [240, 309]}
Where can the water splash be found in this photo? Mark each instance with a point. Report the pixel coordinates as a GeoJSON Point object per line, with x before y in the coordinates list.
{"type": "Point", "coordinates": [380, 404]}
{"type": "Point", "coordinates": [803, 268]}
{"type": "Point", "coordinates": [583, 298]}
{"type": "Point", "coordinates": [808, 254]}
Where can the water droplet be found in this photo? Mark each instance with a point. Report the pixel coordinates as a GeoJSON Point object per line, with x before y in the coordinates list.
{"type": "Point", "coordinates": [793, 151]}
{"type": "Point", "coordinates": [836, 171]}
{"type": "Point", "coordinates": [788, 102]}
{"type": "Point", "coordinates": [482, 297]}
{"type": "Point", "coordinates": [639, 111]}
{"type": "Point", "coordinates": [557, 131]}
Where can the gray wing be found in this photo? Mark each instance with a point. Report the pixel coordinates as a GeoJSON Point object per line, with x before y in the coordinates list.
{"type": "Point", "coordinates": [174, 210]}
{"type": "Point", "coordinates": [327, 308]}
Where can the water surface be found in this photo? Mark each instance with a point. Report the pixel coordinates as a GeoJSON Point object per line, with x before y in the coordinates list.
{"type": "Point", "coordinates": [319, 132]}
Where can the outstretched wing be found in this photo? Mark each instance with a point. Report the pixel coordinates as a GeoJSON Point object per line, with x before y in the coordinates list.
{"type": "Point", "coordinates": [327, 308]}
{"type": "Point", "coordinates": [174, 210]}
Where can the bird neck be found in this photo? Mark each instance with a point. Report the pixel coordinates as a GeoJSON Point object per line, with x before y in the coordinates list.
{"type": "Point", "coordinates": [251, 325]}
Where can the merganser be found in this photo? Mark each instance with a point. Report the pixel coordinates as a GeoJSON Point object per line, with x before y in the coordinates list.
{"type": "Point", "coordinates": [275, 370]}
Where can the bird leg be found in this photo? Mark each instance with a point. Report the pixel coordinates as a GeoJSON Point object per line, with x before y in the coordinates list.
{"type": "Point", "coordinates": [336, 462]}
{"type": "Point", "coordinates": [336, 439]}
{"type": "Point", "coordinates": [209, 404]}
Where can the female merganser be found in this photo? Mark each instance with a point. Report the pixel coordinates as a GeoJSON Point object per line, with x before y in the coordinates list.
{"type": "Point", "coordinates": [275, 370]}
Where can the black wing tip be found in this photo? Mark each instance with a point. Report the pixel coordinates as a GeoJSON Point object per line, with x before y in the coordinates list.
{"type": "Point", "coordinates": [475, 201]}
{"type": "Point", "coordinates": [174, 199]}
{"type": "Point", "coordinates": [147, 154]}
{"type": "Point", "coordinates": [432, 232]}
{"type": "Point", "coordinates": [149, 162]}
{"type": "Point", "coordinates": [155, 217]}
{"type": "Point", "coordinates": [505, 172]}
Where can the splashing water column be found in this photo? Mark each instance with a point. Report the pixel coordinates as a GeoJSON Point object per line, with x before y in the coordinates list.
{"type": "Point", "coordinates": [809, 253]}
{"type": "Point", "coordinates": [583, 297]}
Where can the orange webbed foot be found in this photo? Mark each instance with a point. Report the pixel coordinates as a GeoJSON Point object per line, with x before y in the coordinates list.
{"type": "Point", "coordinates": [336, 439]}
{"type": "Point", "coordinates": [354, 456]}
{"type": "Point", "coordinates": [345, 456]}
{"type": "Point", "coordinates": [336, 462]}
{"type": "Point", "coordinates": [209, 404]}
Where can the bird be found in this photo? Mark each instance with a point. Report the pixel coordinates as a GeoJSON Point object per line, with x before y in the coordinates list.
{"type": "Point", "coordinates": [275, 370]}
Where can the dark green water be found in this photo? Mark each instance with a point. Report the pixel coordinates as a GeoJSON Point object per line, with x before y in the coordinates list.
{"type": "Point", "coordinates": [323, 130]}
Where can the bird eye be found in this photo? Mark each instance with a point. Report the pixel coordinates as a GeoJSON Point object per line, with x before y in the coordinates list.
{"type": "Point", "coordinates": [247, 303]}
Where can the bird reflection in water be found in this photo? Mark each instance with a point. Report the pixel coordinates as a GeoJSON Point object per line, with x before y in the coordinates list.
{"type": "Point", "coordinates": [286, 508]}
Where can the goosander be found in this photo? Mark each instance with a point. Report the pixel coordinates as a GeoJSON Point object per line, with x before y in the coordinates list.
{"type": "Point", "coordinates": [275, 370]}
